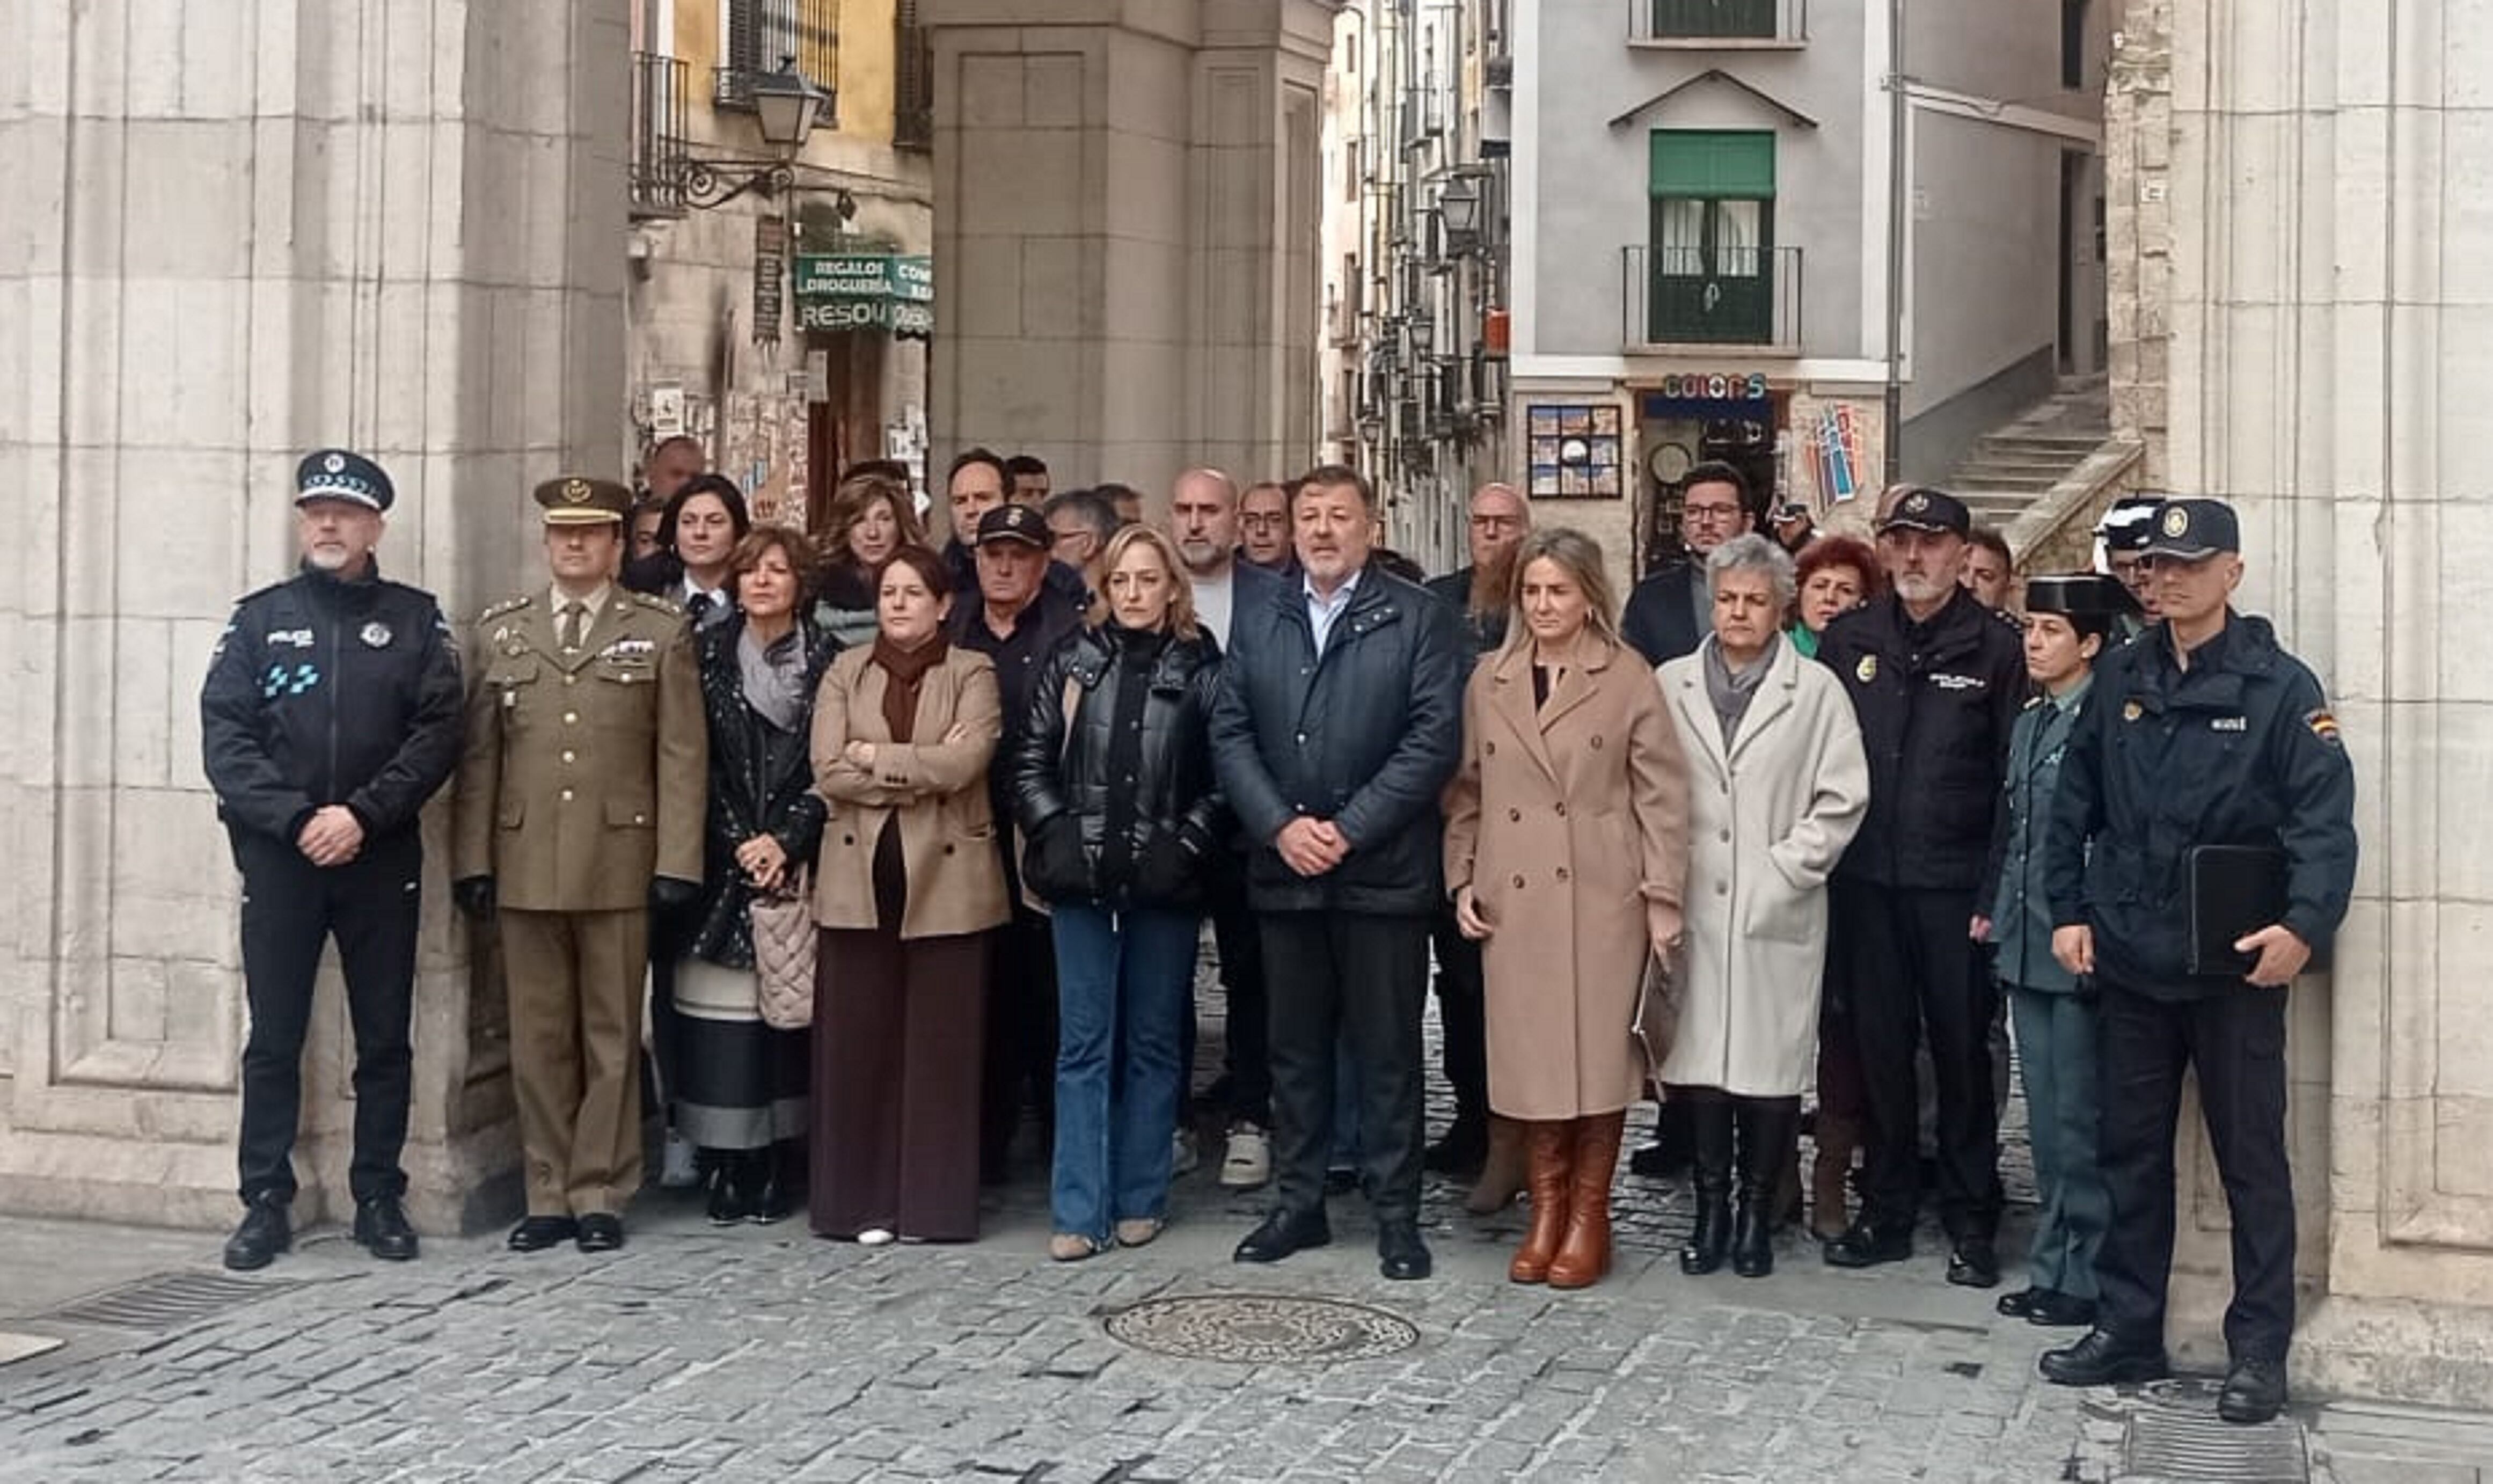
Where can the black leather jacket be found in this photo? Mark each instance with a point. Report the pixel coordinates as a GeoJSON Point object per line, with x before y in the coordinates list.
{"type": "Point", "coordinates": [1068, 760]}
{"type": "Point", "coordinates": [326, 691]}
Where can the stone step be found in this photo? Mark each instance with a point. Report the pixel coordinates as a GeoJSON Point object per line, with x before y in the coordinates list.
{"type": "Point", "coordinates": [1995, 479]}
{"type": "Point", "coordinates": [1990, 458]}
{"type": "Point", "coordinates": [2045, 443]}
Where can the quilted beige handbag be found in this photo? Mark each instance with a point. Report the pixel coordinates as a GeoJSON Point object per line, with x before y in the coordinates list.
{"type": "Point", "coordinates": [784, 936]}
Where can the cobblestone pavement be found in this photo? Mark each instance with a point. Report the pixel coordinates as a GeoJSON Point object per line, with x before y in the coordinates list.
{"type": "Point", "coordinates": [761, 1354]}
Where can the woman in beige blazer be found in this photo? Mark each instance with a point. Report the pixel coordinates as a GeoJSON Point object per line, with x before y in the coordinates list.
{"type": "Point", "coordinates": [1778, 787]}
{"type": "Point", "coordinates": [1566, 842]}
{"type": "Point", "coordinates": [908, 885]}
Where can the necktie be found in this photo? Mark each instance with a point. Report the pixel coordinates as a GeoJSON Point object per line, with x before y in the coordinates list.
{"type": "Point", "coordinates": [572, 615]}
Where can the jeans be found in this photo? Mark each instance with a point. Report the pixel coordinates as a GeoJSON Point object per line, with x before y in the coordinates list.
{"type": "Point", "coordinates": [1124, 984]}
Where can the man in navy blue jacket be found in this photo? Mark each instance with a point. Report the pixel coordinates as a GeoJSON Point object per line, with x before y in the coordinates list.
{"type": "Point", "coordinates": [1339, 722]}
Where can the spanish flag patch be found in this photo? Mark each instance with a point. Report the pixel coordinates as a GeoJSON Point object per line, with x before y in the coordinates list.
{"type": "Point", "coordinates": [2324, 726]}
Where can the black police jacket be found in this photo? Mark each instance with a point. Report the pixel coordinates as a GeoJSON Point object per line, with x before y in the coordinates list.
{"type": "Point", "coordinates": [2240, 749]}
{"type": "Point", "coordinates": [1938, 702]}
{"type": "Point", "coordinates": [1068, 760]}
{"type": "Point", "coordinates": [1365, 736]}
{"type": "Point", "coordinates": [325, 691]}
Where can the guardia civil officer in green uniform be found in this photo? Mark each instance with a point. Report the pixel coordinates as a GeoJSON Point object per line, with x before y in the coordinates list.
{"type": "Point", "coordinates": [2069, 619]}
{"type": "Point", "coordinates": [580, 796]}
{"type": "Point", "coordinates": [330, 716]}
{"type": "Point", "coordinates": [2202, 732]}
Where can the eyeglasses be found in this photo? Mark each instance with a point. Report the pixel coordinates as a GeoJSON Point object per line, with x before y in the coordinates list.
{"type": "Point", "coordinates": [1497, 523]}
{"type": "Point", "coordinates": [1708, 512]}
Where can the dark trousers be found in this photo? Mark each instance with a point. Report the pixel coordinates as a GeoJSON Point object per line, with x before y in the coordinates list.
{"type": "Point", "coordinates": [289, 908]}
{"type": "Point", "coordinates": [1019, 1056]}
{"type": "Point", "coordinates": [1358, 980]}
{"type": "Point", "coordinates": [897, 1025]}
{"type": "Point", "coordinates": [1462, 1012]}
{"type": "Point", "coordinates": [2235, 1039]}
{"type": "Point", "coordinates": [1248, 1015]}
{"type": "Point", "coordinates": [1911, 974]}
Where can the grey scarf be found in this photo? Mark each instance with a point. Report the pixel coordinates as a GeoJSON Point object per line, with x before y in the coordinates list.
{"type": "Point", "coordinates": [774, 679]}
{"type": "Point", "coordinates": [1731, 693]}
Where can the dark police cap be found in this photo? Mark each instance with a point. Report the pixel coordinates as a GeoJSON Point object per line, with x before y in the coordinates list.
{"type": "Point", "coordinates": [1933, 511]}
{"type": "Point", "coordinates": [581, 500]}
{"type": "Point", "coordinates": [2130, 522]}
{"type": "Point", "coordinates": [335, 473]}
{"type": "Point", "coordinates": [2194, 529]}
{"type": "Point", "coordinates": [1014, 523]}
{"type": "Point", "coordinates": [2077, 595]}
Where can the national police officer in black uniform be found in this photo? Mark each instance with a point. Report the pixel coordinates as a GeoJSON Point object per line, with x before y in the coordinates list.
{"type": "Point", "coordinates": [331, 713]}
{"type": "Point", "coordinates": [1936, 680]}
{"type": "Point", "coordinates": [2202, 732]}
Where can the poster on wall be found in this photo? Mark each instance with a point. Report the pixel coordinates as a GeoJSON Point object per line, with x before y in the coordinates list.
{"type": "Point", "coordinates": [1573, 451]}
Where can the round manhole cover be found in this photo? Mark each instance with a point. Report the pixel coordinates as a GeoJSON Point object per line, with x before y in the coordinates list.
{"type": "Point", "coordinates": [1260, 1329]}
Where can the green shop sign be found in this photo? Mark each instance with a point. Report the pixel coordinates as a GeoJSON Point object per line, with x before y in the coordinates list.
{"type": "Point", "coordinates": [866, 291]}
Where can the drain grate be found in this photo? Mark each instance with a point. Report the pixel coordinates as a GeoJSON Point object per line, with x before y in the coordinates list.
{"type": "Point", "coordinates": [1260, 1329]}
{"type": "Point", "coordinates": [166, 1301]}
{"type": "Point", "coordinates": [2177, 1436]}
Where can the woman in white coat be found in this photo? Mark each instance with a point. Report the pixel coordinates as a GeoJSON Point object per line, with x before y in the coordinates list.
{"type": "Point", "coordinates": [1776, 784]}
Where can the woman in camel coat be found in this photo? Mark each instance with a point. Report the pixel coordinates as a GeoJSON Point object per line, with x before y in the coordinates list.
{"type": "Point", "coordinates": [1566, 842]}
{"type": "Point", "coordinates": [1778, 786]}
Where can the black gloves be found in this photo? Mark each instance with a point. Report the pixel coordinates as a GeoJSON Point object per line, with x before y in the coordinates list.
{"type": "Point", "coordinates": [1055, 866]}
{"type": "Point", "coordinates": [672, 894]}
{"type": "Point", "coordinates": [1168, 869]}
{"type": "Point", "coordinates": [474, 896]}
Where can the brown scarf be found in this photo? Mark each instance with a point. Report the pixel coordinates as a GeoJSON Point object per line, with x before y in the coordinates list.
{"type": "Point", "coordinates": [906, 668]}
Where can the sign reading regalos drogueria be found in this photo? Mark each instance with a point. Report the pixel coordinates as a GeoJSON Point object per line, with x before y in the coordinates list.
{"type": "Point", "coordinates": [890, 291]}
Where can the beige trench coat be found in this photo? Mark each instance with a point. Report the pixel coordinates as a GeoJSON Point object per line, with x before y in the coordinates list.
{"type": "Point", "coordinates": [1769, 819]}
{"type": "Point", "coordinates": [1564, 823]}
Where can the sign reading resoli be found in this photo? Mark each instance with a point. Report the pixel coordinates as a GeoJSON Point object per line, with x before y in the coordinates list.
{"type": "Point", "coordinates": [865, 290]}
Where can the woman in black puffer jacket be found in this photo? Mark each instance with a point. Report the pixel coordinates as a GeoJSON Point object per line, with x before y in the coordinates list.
{"type": "Point", "coordinates": [1112, 785]}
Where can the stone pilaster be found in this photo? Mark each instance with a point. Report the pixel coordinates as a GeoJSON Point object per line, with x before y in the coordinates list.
{"type": "Point", "coordinates": [245, 233]}
{"type": "Point", "coordinates": [2138, 226]}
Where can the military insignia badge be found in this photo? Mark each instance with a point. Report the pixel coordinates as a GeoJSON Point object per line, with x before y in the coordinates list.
{"type": "Point", "coordinates": [334, 463]}
{"type": "Point", "coordinates": [2324, 726]}
{"type": "Point", "coordinates": [2177, 521]}
{"type": "Point", "coordinates": [575, 491]}
{"type": "Point", "coordinates": [2132, 711]}
{"type": "Point", "coordinates": [1867, 670]}
{"type": "Point", "coordinates": [376, 636]}
{"type": "Point", "coordinates": [1917, 502]}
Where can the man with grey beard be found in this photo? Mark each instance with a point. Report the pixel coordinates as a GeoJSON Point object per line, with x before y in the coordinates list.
{"type": "Point", "coordinates": [1936, 680]}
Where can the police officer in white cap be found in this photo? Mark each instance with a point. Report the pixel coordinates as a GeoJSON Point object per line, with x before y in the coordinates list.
{"type": "Point", "coordinates": [331, 713]}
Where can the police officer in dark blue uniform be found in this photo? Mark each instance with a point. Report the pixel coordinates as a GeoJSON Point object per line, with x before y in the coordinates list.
{"type": "Point", "coordinates": [2203, 732]}
{"type": "Point", "coordinates": [331, 713]}
{"type": "Point", "coordinates": [1937, 681]}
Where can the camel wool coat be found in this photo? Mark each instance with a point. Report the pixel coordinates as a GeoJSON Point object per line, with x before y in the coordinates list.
{"type": "Point", "coordinates": [1769, 816]}
{"type": "Point", "coordinates": [1565, 821]}
{"type": "Point", "coordinates": [937, 790]}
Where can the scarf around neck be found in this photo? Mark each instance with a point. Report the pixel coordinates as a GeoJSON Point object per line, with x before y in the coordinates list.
{"type": "Point", "coordinates": [774, 675]}
{"type": "Point", "coordinates": [1731, 693]}
{"type": "Point", "coordinates": [906, 668]}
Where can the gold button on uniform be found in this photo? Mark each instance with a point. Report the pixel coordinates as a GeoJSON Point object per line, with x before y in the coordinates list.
{"type": "Point", "coordinates": [566, 796]}
{"type": "Point", "coordinates": [570, 718]}
{"type": "Point", "coordinates": [568, 756]}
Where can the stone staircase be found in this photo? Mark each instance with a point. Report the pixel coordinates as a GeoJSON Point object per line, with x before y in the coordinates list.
{"type": "Point", "coordinates": [2014, 466]}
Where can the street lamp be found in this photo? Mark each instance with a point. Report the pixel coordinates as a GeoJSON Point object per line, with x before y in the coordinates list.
{"type": "Point", "coordinates": [1458, 205]}
{"type": "Point", "coordinates": [786, 106]}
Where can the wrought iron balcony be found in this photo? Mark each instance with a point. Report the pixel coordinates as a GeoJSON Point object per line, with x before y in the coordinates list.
{"type": "Point", "coordinates": [1696, 25]}
{"type": "Point", "coordinates": [660, 147]}
{"type": "Point", "coordinates": [1710, 296]}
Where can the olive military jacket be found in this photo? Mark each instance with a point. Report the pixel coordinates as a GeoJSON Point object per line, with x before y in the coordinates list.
{"type": "Point", "coordinates": [585, 774]}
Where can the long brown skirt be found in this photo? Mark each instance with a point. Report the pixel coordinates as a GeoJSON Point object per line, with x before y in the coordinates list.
{"type": "Point", "coordinates": [898, 1027]}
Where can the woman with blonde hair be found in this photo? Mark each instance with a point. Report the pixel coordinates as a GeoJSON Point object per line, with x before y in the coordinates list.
{"type": "Point", "coordinates": [1112, 784]}
{"type": "Point", "coordinates": [1566, 842]}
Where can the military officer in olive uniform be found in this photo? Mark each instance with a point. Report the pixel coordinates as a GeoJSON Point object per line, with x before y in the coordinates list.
{"type": "Point", "coordinates": [2202, 732]}
{"type": "Point", "coordinates": [330, 716]}
{"type": "Point", "coordinates": [579, 814]}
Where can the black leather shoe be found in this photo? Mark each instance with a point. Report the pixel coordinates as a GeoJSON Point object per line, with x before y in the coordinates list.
{"type": "Point", "coordinates": [536, 1233]}
{"type": "Point", "coordinates": [734, 1192]}
{"type": "Point", "coordinates": [1973, 1264]}
{"type": "Point", "coordinates": [2254, 1391]}
{"type": "Point", "coordinates": [382, 1228]}
{"type": "Point", "coordinates": [2103, 1358]}
{"type": "Point", "coordinates": [1864, 1245]}
{"type": "Point", "coordinates": [2020, 1304]}
{"type": "Point", "coordinates": [1399, 1252]}
{"type": "Point", "coordinates": [2060, 1310]}
{"type": "Point", "coordinates": [1752, 1239]}
{"type": "Point", "coordinates": [601, 1232]}
{"type": "Point", "coordinates": [1460, 1152]}
{"type": "Point", "coordinates": [1282, 1233]}
{"type": "Point", "coordinates": [264, 1232]}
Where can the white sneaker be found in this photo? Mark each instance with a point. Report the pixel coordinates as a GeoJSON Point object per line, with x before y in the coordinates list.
{"type": "Point", "coordinates": [1182, 1160]}
{"type": "Point", "coordinates": [1248, 1163]}
{"type": "Point", "coordinates": [676, 1170]}
{"type": "Point", "coordinates": [874, 1236]}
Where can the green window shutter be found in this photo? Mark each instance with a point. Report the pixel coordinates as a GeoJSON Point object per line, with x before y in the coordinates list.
{"type": "Point", "coordinates": [1714, 164]}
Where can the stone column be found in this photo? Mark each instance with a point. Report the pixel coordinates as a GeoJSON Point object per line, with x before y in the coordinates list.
{"type": "Point", "coordinates": [2330, 310]}
{"type": "Point", "coordinates": [1126, 226]}
{"type": "Point", "coordinates": [244, 233]}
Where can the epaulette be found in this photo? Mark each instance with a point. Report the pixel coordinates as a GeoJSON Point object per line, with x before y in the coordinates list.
{"type": "Point", "coordinates": [257, 594]}
{"type": "Point", "coordinates": [2009, 618]}
{"type": "Point", "coordinates": [506, 605]}
{"type": "Point", "coordinates": [656, 604]}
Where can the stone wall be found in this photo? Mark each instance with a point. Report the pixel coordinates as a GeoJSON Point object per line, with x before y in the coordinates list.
{"type": "Point", "coordinates": [2137, 226]}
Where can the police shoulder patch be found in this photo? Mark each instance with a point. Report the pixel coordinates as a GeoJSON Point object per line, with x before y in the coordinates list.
{"type": "Point", "coordinates": [2323, 725]}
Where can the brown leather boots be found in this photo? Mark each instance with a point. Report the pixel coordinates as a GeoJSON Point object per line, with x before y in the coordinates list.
{"type": "Point", "coordinates": [1569, 1164]}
